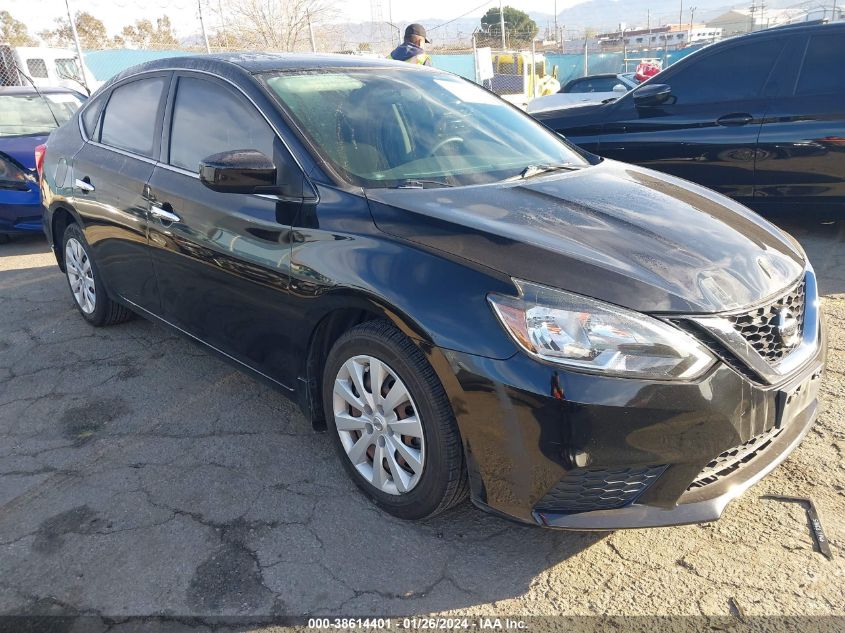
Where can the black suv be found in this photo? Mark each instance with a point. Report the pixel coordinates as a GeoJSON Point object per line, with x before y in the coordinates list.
{"type": "Point", "coordinates": [760, 118]}
{"type": "Point", "coordinates": [467, 302]}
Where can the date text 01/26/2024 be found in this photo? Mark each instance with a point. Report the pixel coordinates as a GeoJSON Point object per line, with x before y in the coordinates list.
{"type": "Point", "coordinates": [481, 623]}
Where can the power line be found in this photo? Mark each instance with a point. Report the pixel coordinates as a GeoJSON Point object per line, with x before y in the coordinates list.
{"type": "Point", "coordinates": [480, 6]}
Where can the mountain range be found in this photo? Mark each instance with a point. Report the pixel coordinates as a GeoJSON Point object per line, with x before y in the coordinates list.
{"type": "Point", "coordinates": [606, 15]}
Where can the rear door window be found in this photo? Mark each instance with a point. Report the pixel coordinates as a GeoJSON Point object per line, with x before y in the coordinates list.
{"type": "Point", "coordinates": [37, 68]}
{"type": "Point", "coordinates": [91, 116]}
{"type": "Point", "coordinates": [209, 118]}
{"type": "Point", "coordinates": [67, 68]}
{"type": "Point", "coordinates": [733, 74]}
{"type": "Point", "coordinates": [131, 116]}
{"type": "Point", "coordinates": [822, 71]}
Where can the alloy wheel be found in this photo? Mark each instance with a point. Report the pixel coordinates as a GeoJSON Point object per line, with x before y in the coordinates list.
{"type": "Point", "coordinates": [379, 425]}
{"type": "Point", "coordinates": [80, 276]}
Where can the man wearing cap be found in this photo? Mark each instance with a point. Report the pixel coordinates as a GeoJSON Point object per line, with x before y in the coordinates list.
{"type": "Point", "coordinates": [412, 49]}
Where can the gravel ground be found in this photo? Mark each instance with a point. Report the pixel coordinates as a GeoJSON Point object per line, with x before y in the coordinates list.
{"type": "Point", "coordinates": [141, 476]}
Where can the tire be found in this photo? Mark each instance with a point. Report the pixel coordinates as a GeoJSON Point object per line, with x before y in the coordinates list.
{"type": "Point", "coordinates": [397, 488]}
{"type": "Point", "coordinates": [82, 274]}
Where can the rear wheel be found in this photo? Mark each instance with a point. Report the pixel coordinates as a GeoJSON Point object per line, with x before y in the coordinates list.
{"type": "Point", "coordinates": [392, 423]}
{"type": "Point", "coordinates": [85, 283]}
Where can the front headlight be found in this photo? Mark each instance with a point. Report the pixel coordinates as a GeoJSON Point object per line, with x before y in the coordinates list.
{"type": "Point", "coordinates": [582, 333]}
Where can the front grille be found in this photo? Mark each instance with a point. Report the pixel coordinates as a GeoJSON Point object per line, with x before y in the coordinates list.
{"type": "Point", "coordinates": [733, 459]}
{"type": "Point", "coordinates": [586, 489]}
{"type": "Point", "coordinates": [724, 353]}
{"type": "Point", "coordinates": [759, 326]}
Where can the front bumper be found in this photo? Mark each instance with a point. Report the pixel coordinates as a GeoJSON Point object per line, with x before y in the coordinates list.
{"type": "Point", "coordinates": [529, 429]}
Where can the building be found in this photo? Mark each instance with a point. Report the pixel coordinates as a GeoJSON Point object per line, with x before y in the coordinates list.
{"type": "Point", "coordinates": [669, 36]}
{"type": "Point", "coordinates": [739, 21]}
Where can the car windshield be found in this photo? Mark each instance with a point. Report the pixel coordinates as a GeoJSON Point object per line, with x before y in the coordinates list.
{"type": "Point", "coordinates": [35, 114]}
{"type": "Point", "coordinates": [392, 128]}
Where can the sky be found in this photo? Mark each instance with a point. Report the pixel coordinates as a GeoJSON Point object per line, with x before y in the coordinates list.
{"type": "Point", "coordinates": [117, 13]}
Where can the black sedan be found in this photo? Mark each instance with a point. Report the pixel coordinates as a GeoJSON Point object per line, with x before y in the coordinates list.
{"type": "Point", "coordinates": [760, 118]}
{"type": "Point", "coordinates": [467, 302]}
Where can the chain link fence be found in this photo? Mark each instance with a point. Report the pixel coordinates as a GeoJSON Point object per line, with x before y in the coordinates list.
{"type": "Point", "coordinates": [526, 66]}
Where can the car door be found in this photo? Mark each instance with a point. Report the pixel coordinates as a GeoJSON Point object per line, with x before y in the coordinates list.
{"type": "Point", "coordinates": [110, 174]}
{"type": "Point", "coordinates": [222, 259]}
{"type": "Point", "coordinates": [707, 131]}
{"type": "Point", "coordinates": [801, 154]}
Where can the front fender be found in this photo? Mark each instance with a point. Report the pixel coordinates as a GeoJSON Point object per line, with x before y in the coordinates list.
{"type": "Point", "coordinates": [427, 294]}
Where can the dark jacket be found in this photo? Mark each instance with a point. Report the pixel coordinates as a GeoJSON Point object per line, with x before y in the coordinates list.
{"type": "Point", "coordinates": [407, 52]}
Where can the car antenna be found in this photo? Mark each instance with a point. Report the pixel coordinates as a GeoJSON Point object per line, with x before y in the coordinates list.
{"type": "Point", "coordinates": [37, 91]}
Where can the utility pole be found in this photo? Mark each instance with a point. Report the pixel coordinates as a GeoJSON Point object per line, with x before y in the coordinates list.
{"type": "Point", "coordinates": [556, 32]}
{"type": "Point", "coordinates": [202, 26]}
{"type": "Point", "coordinates": [681, 17]}
{"type": "Point", "coordinates": [586, 57]}
{"type": "Point", "coordinates": [753, 9]}
{"type": "Point", "coordinates": [78, 46]}
{"type": "Point", "coordinates": [691, 16]}
{"type": "Point", "coordinates": [502, 24]}
{"type": "Point", "coordinates": [624, 46]}
{"type": "Point", "coordinates": [311, 31]}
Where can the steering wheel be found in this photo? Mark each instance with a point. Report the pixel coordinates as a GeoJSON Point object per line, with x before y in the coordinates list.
{"type": "Point", "coordinates": [443, 143]}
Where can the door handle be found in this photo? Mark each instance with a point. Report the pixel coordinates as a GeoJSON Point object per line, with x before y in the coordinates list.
{"type": "Point", "coordinates": [84, 185]}
{"type": "Point", "coordinates": [163, 214]}
{"type": "Point", "coordinates": [735, 119]}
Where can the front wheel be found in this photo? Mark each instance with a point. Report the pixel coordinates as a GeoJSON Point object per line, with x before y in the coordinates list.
{"type": "Point", "coordinates": [392, 423]}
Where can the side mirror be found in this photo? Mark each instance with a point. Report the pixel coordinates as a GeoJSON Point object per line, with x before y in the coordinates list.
{"type": "Point", "coordinates": [652, 95]}
{"type": "Point", "coordinates": [239, 171]}
{"type": "Point", "coordinates": [620, 88]}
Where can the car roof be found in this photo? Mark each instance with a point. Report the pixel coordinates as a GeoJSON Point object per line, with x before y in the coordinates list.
{"type": "Point", "coordinates": [799, 27]}
{"type": "Point", "coordinates": [267, 62]}
{"type": "Point", "coordinates": [231, 65]}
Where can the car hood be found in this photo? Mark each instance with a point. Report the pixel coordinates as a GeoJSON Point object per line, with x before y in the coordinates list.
{"type": "Point", "coordinates": [566, 101]}
{"type": "Point", "coordinates": [615, 232]}
{"type": "Point", "coordinates": [575, 114]}
{"type": "Point", "coordinates": [22, 148]}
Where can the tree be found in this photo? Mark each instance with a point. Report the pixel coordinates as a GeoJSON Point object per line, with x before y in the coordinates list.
{"type": "Point", "coordinates": [275, 25]}
{"type": "Point", "coordinates": [519, 27]}
{"type": "Point", "coordinates": [92, 32]}
{"type": "Point", "coordinates": [144, 35]}
{"type": "Point", "coordinates": [14, 32]}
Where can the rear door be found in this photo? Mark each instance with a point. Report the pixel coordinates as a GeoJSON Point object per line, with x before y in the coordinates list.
{"type": "Point", "coordinates": [110, 174]}
{"type": "Point", "coordinates": [223, 260]}
{"type": "Point", "coordinates": [801, 155]}
{"type": "Point", "coordinates": [708, 131]}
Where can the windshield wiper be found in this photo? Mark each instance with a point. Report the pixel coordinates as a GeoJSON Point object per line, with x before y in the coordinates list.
{"type": "Point", "coordinates": [417, 183]}
{"type": "Point", "coordinates": [536, 170]}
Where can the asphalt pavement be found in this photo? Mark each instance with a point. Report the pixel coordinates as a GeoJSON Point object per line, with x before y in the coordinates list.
{"type": "Point", "coordinates": [140, 475]}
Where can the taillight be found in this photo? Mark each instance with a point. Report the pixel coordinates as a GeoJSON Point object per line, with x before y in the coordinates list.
{"type": "Point", "coordinates": [40, 152]}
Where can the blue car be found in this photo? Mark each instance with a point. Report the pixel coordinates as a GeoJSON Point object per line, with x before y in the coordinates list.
{"type": "Point", "coordinates": [26, 119]}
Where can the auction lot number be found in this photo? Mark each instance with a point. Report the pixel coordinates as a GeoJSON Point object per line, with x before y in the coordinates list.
{"type": "Point", "coordinates": [429, 624]}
